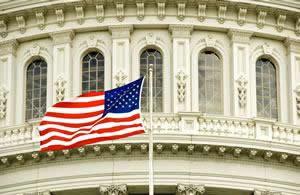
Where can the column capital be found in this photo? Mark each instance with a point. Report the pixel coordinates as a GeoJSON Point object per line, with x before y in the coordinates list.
{"type": "Point", "coordinates": [120, 31]}
{"type": "Point", "coordinates": [181, 31]}
{"type": "Point", "coordinates": [190, 189]}
{"type": "Point", "coordinates": [293, 45]}
{"type": "Point", "coordinates": [240, 36]}
{"type": "Point", "coordinates": [62, 37]}
{"type": "Point", "coordinates": [9, 47]}
{"type": "Point", "coordinates": [113, 189]}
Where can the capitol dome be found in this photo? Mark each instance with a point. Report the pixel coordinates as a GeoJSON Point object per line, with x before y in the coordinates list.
{"type": "Point", "coordinates": [226, 90]}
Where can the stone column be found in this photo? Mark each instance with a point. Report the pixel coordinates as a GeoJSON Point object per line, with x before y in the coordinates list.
{"type": "Point", "coordinates": [293, 54]}
{"type": "Point", "coordinates": [190, 189]}
{"type": "Point", "coordinates": [240, 73]}
{"type": "Point", "coordinates": [120, 54]}
{"type": "Point", "coordinates": [181, 35]}
{"type": "Point", "coordinates": [62, 64]}
{"type": "Point", "coordinates": [7, 82]}
{"type": "Point", "coordinates": [113, 190]}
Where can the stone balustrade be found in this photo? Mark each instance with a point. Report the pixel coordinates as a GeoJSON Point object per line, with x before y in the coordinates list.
{"type": "Point", "coordinates": [181, 124]}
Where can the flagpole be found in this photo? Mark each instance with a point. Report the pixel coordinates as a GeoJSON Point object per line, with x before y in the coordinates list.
{"type": "Point", "coordinates": [151, 185]}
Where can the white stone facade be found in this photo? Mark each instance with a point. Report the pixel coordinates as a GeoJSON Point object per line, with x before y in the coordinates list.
{"type": "Point", "coordinates": [235, 152]}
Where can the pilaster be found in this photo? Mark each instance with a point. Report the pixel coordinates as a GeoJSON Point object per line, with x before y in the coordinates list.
{"type": "Point", "coordinates": [181, 67]}
{"type": "Point", "coordinates": [240, 70]}
{"type": "Point", "coordinates": [293, 72]}
{"type": "Point", "coordinates": [62, 64]}
{"type": "Point", "coordinates": [190, 189]}
{"type": "Point", "coordinates": [120, 54]}
{"type": "Point", "coordinates": [7, 82]}
{"type": "Point", "coordinates": [113, 190]}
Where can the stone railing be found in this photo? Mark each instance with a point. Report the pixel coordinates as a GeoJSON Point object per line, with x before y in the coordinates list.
{"type": "Point", "coordinates": [26, 136]}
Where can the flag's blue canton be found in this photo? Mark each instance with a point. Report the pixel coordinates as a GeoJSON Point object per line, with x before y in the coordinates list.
{"type": "Point", "coordinates": [123, 99]}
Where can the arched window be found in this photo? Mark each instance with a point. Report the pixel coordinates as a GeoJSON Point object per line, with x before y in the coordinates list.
{"type": "Point", "coordinates": [210, 83]}
{"type": "Point", "coordinates": [93, 72]}
{"type": "Point", "coordinates": [152, 56]}
{"type": "Point", "coordinates": [36, 89]}
{"type": "Point", "coordinates": [266, 89]}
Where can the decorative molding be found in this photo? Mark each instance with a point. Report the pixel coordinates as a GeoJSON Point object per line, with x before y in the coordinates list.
{"type": "Point", "coordinates": [100, 12]}
{"type": "Point", "coordinates": [113, 189]}
{"type": "Point", "coordinates": [91, 42]}
{"type": "Point", "coordinates": [181, 31]}
{"type": "Point", "coordinates": [159, 148]}
{"type": "Point", "coordinates": [222, 13]}
{"type": "Point", "coordinates": [120, 11]}
{"type": "Point", "coordinates": [21, 23]}
{"type": "Point", "coordinates": [161, 10]}
{"type": "Point", "coordinates": [209, 41]}
{"type": "Point", "coordinates": [35, 50]}
{"type": "Point", "coordinates": [280, 22]}
{"type": "Point", "coordinates": [201, 12]}
{"type": "Point", "coordinates": [151, 39]}
{"type": "Point", "coordinates": [175, 148]}
{"type": "Point", "coordinates": [120, 78]}
{"type": "Point", "coordinates": [60, 88]}
{"type": "Point", "coordinates": [297, 92]}
{"type": "Point", "coordinates": [112, 149]}
{"type": "Point", "coordinates": [242, 16]}
{"type": "Point", "coordinates": [181, 10]}
{"type": "Point", "coordinates": [60, 17]}
{"type": "Point", "coordinates": [267, 49]}
{"type": "Point", "coordinates": [190, 189]}
{"type": "Point", "coordinates": [3, 102]}
{"type": "Point", "coordinates": [242, 90]}
{"type": "Point", "coordinates": [266, 192]}
{"type": "Point", "coordinates": [140, 10]}
{"type": "Point", "coordinates": [3, 28]}
{"type": "Point", "coordinates": [79, 14]}
{"type": "Point", "coordinates": [240, 36]}
{"type": "Point", "coordinates": [181, 85]}
{"type": "Point", "coordinates": [297, 26]}
{"type": "Point", "coordinates": [40, 19]}
{"type": "Point", "coordinates": [261, 18]}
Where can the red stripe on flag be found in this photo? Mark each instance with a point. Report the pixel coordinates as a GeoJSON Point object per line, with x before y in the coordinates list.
{"type": "Point", "coordinates": [78, 104]}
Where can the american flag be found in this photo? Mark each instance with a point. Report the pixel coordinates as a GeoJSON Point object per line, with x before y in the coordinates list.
{"type": "Point", "coordinates": [93, 117]}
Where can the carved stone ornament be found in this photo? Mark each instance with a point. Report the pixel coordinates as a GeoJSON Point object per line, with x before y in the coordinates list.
{"type": "Point", "coordinates": [113, 190]}
{"type": "Point", "coordinates": [35, 50]}
{"type": "Point", "coordinates": [91, 42]}
{"type": "Point", "coordinates": [120, 78]}
{"type": "Point", "coordinates": [100, 12]}
{"type": "Point", "coordinates": [79, 14]}
{"type": "Point", "coordinates": [120, 11]}
{"type": "Point", "coordinates": [3, 101]}
{"type": "Point", "coordinates": [21, 23]}
{"type": "Point", "coordinates": [181, 85]}
{"type": "Point", "coordinates": [267, 49]}
{"type": "Point", "coordinates": [297, 91]}
{"type": "Point", "coordinates": [210, 41]}
{"type": "Point", "coordinates": [140, 11]}
{"type": "Point", "coordinates": [221, 14]}
{"type": "Point", "coordinates": [181, 11]}
{"type": "Point", "coordinates": [242, 90]}
{"type": "Point", "coordinates": [60, 89]}
{"type": "Point", "coordinates": [242, 16]}
{"type": "Point", "coordinates": [60, 17]}
{"type": "Point", "coordinates": [190, 189]}
{"type": "Point", "coordinates": [150, 39]}
{"type": "Point", "coordinates": [201, 12]}
{"type": "Point", "coordinates": [297, 27]}
{"type": "Point", "coordinates": [261, 19]}
{"type": "Point", "coordinates": [40, 19]}
{"type": "Point", "coordinates": [3, 28]}
{"type": "Point", "coordinates": [161, 10]}
{"type": "Point", "coordinates": [280, 22]}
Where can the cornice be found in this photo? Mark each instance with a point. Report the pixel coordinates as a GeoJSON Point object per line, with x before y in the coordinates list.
{"type": "Point", "coordinates": [133, 150]}
{"type": "Point", "coordinates": [293, 45]}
